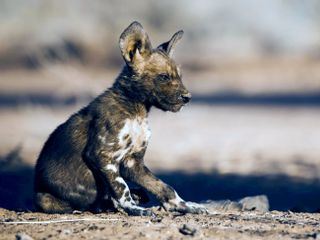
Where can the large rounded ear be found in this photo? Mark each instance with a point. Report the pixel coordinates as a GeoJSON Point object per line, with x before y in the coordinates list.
{"type": "Point", "coordinates": [168, 47]}
{"type": "Point", "coordinates": [134, 43]}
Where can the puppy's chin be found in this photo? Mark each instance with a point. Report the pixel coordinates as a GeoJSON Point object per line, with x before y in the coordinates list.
{"type": "Point", "coordinates": [176, 107]}
{"type": "Point", "coordinates": [169, 107]}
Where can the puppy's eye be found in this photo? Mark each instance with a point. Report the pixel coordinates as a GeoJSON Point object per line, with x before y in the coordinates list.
{"type": "Point", "coordinates": [164, 77]}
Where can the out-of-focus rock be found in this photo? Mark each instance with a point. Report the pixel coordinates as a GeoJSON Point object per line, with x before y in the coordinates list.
{"type": "Point", "coordinates": [222, 206]}
{"type": "Point", "coordinates": [257, 203]}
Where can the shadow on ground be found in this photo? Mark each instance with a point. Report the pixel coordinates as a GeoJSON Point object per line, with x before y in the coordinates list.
{"type": "Point", "coordinates": [284, 193]}
{"type": "Point", "coordinates": [9, 100]}
{"type": "Point", "coordinates": [273, 99]}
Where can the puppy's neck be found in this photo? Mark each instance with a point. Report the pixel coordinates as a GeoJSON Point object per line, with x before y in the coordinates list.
{"type": "Point", "coordinates": [129, 95]}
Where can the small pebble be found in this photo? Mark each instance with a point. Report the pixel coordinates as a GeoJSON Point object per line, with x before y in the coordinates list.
{"type": "Point", "coordinates": [66, 231]}
{"type": "Point", "coordinates": [187, 230]}
{"type": "Point", "coordinates": [92, 228]}
{"type": "Point", "coordinates": [23, 236]}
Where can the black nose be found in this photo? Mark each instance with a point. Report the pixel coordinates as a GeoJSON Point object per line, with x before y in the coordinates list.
{"type": "Point", "coordinates": [186, 97]}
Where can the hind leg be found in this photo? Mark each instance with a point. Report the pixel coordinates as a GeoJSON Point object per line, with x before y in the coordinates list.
{"type": "Point", "coordinates": [46, 202]}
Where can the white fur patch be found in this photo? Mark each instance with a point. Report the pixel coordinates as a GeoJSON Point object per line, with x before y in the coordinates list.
{"type": "Point", "coordinates": [130, 163]}
{"type": "Point", "coordinates": [177, 200]}
{"type": "Point", "coordinates": [119, 155]}
{"type": "Point", "coordinates": [121, 180]}
{"type": "Point", "coordinates": [123, 201]}
{"type": "Point", "coordinates": [135, 130]}
{"type": "Point", "coordinates": [110, 167]}
{"type": "Point", "coordinates": [194, 205]}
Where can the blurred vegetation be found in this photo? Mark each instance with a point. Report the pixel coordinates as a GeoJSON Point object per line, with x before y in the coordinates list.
{"type": "Point", "coordinates": [88, 31]}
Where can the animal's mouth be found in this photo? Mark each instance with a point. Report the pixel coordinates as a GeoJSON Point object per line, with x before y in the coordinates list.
{"type": "Point", "coordinates": [177, 102]}
{"type": "Point", "coordinates": [176, 106]}
{"type": "Point", "coordinates": [172, 106]}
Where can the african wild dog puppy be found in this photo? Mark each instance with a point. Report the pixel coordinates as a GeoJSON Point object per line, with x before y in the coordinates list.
{"type": "Point", "coordinates": [86, 161]}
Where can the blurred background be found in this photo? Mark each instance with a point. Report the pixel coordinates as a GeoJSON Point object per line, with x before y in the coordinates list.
{"type": "Point", "coordinates": [253, 68]}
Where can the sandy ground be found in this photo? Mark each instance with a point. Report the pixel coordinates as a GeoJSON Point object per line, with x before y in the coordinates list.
{"type": "Point", "coordinates": [228, 225]}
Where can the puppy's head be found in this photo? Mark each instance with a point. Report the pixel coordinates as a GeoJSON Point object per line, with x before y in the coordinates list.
{"type": "Point", "coordinates": [155, 74]}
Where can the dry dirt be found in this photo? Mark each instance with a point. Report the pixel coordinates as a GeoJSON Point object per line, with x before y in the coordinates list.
{"type": "Point", "coordinates": [228, 225]}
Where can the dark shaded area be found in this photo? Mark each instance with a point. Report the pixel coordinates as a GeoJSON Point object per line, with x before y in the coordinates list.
{"type": "Point", "coordinates": [16, 182]}
{"type": "Point", "coordinates": [284, 99]}
{"type": "Point", "coordinates": [8, 100]}
{"type": "Point", "coordinates": [64, 51]}
{"type": "Point", "coordinates": [284, 193]}
{"type": "Point", "coordinates": [16, 100]}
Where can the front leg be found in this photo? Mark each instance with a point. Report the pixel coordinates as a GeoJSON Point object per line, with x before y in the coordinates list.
{"type": "Point", "coordinates": [121, 194]}
{"type": "Point", "coordinates": [102, 156]}
{"type": "Point", "coordinates": [137, 172]}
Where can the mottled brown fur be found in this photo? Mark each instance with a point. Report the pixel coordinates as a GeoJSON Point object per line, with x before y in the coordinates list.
{"type": "Point", "coordinates": [86, 160]}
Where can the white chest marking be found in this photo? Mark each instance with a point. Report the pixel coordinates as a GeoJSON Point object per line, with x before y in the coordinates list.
{"type": "Point", "coordinates": [110, 167]}
{"type": "Point", "coordinates": [133, 137]}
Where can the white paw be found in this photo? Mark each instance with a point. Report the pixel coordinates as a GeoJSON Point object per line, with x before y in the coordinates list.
{"type": "Point", "coordinates": [197, 208]}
